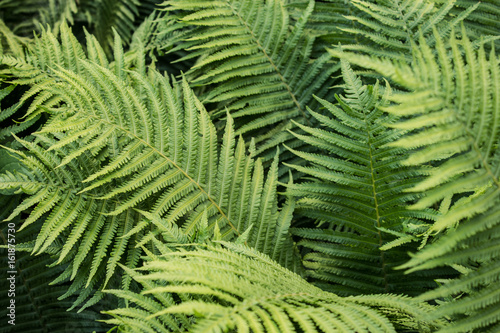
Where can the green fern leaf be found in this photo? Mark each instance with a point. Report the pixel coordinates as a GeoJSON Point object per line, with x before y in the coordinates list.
{"type": "Point", "coordinates": [26, 280]}
{"type": "Point", "coordinates": [232, 287]}
{"type": "Point", "coordinates": [359, 188]}
{"type": "Point", "coordinates": [252, 62]}
{"type": "Point", "coordinates": [451, 112]}
{"type": "Point", "coordinates": [119, 141]}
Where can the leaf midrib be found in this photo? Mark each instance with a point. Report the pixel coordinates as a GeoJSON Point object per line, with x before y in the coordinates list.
{"type": "Point", "coordinates": [275, 67]}
{"type": "Point", "coordinates": [173, 163]}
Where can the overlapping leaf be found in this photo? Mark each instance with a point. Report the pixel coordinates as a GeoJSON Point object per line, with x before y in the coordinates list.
{"type": "Point", "coordinates": [357, 191]}
{"type": "Point", "coordinates": [452, 113]}
{"type": "Point", "coordinates": [252, 61]}
{"type": "Point", "coordinates": [232, 287]}
{"type": "Point", "coordinates": [120, 140]}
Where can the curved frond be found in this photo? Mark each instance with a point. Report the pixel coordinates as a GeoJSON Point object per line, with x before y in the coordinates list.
{"type": "Point", "coordinates": [451, 114]}
{"type": "Point", "coordinates": [29, 302]}
{"type": "Point", "coordinates": [233, 287]}
{"type": "Point", "coordinates": [91, 238]}
{"type": "Point", "coordinates": [358, 192]}
{"type": "Point", "coordinates": [118, 141]}
{"type": "Point", "coordinates": [253, 62]}
{"type": "Point", "coordinates": [388, 28]}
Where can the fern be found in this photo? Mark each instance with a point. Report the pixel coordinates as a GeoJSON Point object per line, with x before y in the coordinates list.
{"type": "Point", "coordinates": [484, 21]}
{"type": "Point", "coordinates": [9, 125]}
{"type": "Point", "coordinates": [251, 61]}
{"type": "Point", "coordinates": [358, 191]}
{"type": "Point", "coordinates": [36, 14]}
{"type": "Point", "coordinates": [100, 17]}
{"type": "Point", "coordinates": [109, 148]}
{"type": "Point", "coordinates": [36, 305]}
{"type": "Point", "coordinates": [37, 308]}
{"type": "Point", "coordinates": [122, 16]}
{"type": "Point", "coordinates": [232, 287]}
{"type": "Point", "coordinates": [402, 23]}
{"type": "Point", "coordinates": [453, 130]}
{"type": "Point", "coordinates": [388, 28]}
{"type": "Point", "coordinates": [117, 177]}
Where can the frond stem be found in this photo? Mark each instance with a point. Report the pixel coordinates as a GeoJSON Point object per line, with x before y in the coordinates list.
{"type": "Point", "coordinates": [290, 92]}
{"type": "Point", "coordinates": [131, 134]}
{"type": "Point", "coordinates": [372, 172]}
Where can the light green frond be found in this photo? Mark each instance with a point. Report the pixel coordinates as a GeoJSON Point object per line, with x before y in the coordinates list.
{"type": "Point", "coordinates": [239, 288]}
{"type": "Point", "coordinates": [80, 219]}
{"type": "Point", "coordinates": [34, 304]}
{"type": "Point", "coordinates": [108, 149]}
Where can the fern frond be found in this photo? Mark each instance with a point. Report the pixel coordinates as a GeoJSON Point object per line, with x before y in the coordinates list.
{"type": "Point", "coordinates": [451, 112]}
{"type": "Point", "coordinates": [484, 21]}
{"type": "Point", "coordinates": [358, 188]}
{"type": "Point", "coordinates": [252, 62]}
{"type": "Point", "coordinates": [122, 140]}
{"type": "Point", "coordinates": [11, 43]}
{"type": "Point", "coordinates": [26, 280]}
{"type": "Point", "coordinates": [388, 28]}
{"type": "Point", "coordinates": [230, 286]}
{"type": "Point", "coordinates": [9, 125]}
{"type": "Point", "coordinates": [36, 15]}
{"type": "Point", "coordinates": [90, 242]}
{"type": "Point", "coordinates": [118, 15]}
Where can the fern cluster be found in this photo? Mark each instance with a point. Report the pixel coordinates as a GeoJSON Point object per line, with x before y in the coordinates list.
{"type": "Point", "coordinates": [252, 166]}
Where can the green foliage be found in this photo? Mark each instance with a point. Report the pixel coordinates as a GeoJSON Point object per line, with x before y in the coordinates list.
{"type": "Point", "coordinates": [253, 60]}
{"type": "Point", "coordinates": [358, 194]}
{"type": "Point", "coordinates": [232, 287]}
{"type": "Point", "coordinates": [451, 114]}
{"type": "Point", "coordinates": [124, 140]}
{"type": "Point", "coordinates": [145, 148]}
{"type": "Point", "coordinates": [100, 17]}
{"type": "Point", "coordinates": [388, 28]}
{"type": "Point", "coordinates": [37, 307]}
{"type": "Point", "coordinates": [9, 126]}
{"type": "Point", "coordinates": [27, 279]}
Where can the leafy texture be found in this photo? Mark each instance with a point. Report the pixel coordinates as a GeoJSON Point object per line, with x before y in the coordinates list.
{"type": "Point", "coordinates": [101, 17]}
{"type": "Point", "coordinates": [252, 61]}
{"type": "Point", "coordinates": [453, 131]}
{"type": "Point", "coordinates": [484, 21]}
{"type": "Point", "coordinates": [9, 125]}
{"type": "Point", "coordinates": [388, 28]}
{"type": "Point", "coordinates": [122, 16]}
{"type": "Point", "coordinates": [120, 140]}
{"type": "Point", "coordinates": [357, 193]}
{"type": "Point", "coordinates": [199, 160]}
{"type": "Point", "coordinates": [37, 14]}
{"type": "Point", "coordinates": [232, 287]}
{"type": "Point", "coordinates": [36, 307]}
{"type": "Point", "coordinates": [26, 279]}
